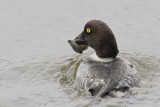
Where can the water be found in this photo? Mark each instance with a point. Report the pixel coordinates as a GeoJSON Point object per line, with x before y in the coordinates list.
{"type": "Point", "coordinates": [38, 67]}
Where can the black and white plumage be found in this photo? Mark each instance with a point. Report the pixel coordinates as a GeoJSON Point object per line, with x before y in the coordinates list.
{"type": "Point", "coordinates": [95, 72]}
{"type": "Point", "coordinates": [103, 72]}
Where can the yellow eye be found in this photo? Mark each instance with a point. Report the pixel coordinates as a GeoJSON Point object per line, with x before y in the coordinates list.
{"type": "Point", "coordinates": [88, 30]}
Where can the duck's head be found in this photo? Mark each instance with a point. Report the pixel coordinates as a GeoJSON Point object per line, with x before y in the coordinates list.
{"type": "Point", "coordinates": [99, 36]}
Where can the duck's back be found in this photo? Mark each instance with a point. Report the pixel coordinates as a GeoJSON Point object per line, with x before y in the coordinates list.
{"type": "Point", "coordinates": [93, 74]}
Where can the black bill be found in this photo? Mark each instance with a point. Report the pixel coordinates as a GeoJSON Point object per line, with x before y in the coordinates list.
{"type": "Point", "coordinates": [75, 46]}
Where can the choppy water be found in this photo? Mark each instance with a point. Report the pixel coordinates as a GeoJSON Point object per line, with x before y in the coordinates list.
{"type": "Point", "coordinates": [38, 67]}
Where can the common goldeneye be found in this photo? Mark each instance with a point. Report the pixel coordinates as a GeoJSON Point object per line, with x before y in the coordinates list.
{"type": "Point", "coordinates": [103, 73]}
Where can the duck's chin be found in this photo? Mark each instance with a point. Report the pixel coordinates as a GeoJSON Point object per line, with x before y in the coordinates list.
{"type": "Point", "coordinates": [83, 47]}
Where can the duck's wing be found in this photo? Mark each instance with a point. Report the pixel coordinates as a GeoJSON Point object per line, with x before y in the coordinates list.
{"type": "Point", "coordinates": [109, 86]}
{"type": "Point", "coordinates": [87, 78]}
{"type": "Point", "coordinates": [102, 78]}
{"type": "Point", "coordinates": [125, 74]}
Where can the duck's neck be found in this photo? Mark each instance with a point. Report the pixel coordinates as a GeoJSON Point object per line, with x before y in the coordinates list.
{"type": "Point", "coordinates": [96, 58]}
{"type": "Point", "coordinates": [106, 51]}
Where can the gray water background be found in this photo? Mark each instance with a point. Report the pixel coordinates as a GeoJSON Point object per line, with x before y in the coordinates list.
{"type": "Point", "coordinates": [38, 67]}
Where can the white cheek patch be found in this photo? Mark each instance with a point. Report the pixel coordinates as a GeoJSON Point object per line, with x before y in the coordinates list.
{"type": "Point", "coordinates": [96, 58]}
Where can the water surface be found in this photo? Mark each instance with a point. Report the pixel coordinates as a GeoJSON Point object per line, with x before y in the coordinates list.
{"type": "Point", "coordinates": [38, 67]}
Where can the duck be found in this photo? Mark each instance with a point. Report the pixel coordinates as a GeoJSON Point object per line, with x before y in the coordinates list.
{"type": "Point", "coordinates": [104, 72]}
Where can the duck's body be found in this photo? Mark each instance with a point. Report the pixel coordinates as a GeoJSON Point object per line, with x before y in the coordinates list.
{"type": "Point", "coordinates": [103, 72]}
{"type": "Point", "coordinates": [94, 73]}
